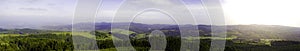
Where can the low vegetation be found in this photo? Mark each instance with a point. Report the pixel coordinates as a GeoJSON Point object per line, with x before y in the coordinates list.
{"type": "Point", "coordinates": [63, 41]}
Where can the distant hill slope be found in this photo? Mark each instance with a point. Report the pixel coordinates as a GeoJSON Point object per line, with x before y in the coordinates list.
{"type": "Point", "coordinates": [241, 31]}
{"type": "Point", "coordinates": [25, 31]}
{"type": "Point", "coordinates": [264, 32]}
{"type": "Point", "coordinates": [2, 29]}
{"type": "Point", "coordinates": [107, 26]}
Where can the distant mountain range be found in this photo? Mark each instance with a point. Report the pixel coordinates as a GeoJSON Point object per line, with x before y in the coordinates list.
{"type": "Point", "coordinates": [107, 26]}
{"type": "Point", "coordinates": [240, 31]}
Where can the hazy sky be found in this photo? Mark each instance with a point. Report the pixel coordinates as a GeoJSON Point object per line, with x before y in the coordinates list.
{"type": "Point", "coordinates": [268, 12]}
{"type": "Point", "coordinates": [58, 12]}
{"type": "Point", "coordinates": [24, 13]}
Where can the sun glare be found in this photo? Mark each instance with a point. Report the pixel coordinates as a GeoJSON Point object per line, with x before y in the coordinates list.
{"type": "Point", "coordinates": [266, 12]}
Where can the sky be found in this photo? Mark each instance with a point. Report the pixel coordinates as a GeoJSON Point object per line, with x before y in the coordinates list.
{"type": "Point", "coordinates": [30, 13]}
{"type": "Point", "coordinates": [266, 12]}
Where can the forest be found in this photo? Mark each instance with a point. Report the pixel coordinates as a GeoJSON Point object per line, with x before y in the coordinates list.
{"type": "Point", "coordinates": [239, 38]}
{"type": "Point", "coordinates": [63, 42]}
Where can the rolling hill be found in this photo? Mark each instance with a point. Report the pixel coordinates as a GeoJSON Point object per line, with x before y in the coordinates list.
{"type": "Point", "coordinates": [241, 31]}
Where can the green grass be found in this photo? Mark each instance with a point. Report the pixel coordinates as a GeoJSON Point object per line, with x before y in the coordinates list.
{"type": "Point", "coordinates": [122, 31]}
{"type": "Point", "coordinates": [3, 35]}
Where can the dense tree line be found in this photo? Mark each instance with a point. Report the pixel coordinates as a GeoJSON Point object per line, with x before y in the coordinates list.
{"type": "Point", "coordinates": [63, 42]}
{"type": "Point", "coordinates": [40, 42]}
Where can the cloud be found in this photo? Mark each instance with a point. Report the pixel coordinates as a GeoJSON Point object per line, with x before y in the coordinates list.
{"type": "Point", "coordinates": [109, 9]}
{"type": "Point", "coordinates": [32, 1]}
{"type": "Point", "coordinates": [57, 11]}
{"type": "Point", "coordinates": [36, 12]}
{"type": "Point", "coordinates": [34, 9]}
{"type": "Point", "coordinates": [193, 5]}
